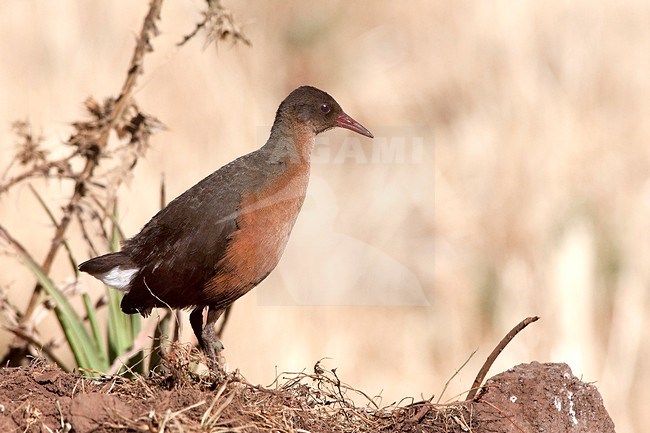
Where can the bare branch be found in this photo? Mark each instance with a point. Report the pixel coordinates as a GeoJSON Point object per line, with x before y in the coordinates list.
{"type": "Point", "coordinates": [480, 377]}
{"type": "Point", "coordinates": [220, 24]}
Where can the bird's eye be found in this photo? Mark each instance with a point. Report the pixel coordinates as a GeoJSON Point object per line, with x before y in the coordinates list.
{"type": "Point", "coordinates": [325, 108]}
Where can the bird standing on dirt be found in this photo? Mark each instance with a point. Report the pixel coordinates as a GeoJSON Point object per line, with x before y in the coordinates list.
{"type": "Point", "coordinates": [223, 236]}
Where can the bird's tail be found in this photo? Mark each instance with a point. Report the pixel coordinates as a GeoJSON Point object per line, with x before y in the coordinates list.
{"type": "Point", "coordinates": [114, 269]}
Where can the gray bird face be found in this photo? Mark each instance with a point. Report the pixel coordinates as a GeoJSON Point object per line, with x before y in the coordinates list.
{"type": "Point", "coordinates": [320, 111]}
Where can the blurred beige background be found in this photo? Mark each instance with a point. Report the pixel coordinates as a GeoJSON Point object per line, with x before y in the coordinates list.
{"type": "Point", "coordinates": [512, 178]}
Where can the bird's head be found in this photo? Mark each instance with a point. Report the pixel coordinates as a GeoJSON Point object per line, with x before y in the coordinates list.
{"type": "Point", "coordinates": [313, 107]}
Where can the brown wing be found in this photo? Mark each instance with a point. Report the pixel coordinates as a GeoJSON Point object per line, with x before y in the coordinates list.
{"type": "Point", "coordinates": [178, 250]}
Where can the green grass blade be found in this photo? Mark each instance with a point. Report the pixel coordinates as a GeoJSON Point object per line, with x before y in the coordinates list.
{"type": "Point", "coordinates": [120, 332]}
{"type": "Point", "coordinates": [118, 341]}
{"type": "Point", "coordinates": [81, 343]}
{"type": "Point", "coordinates": [94, 326]}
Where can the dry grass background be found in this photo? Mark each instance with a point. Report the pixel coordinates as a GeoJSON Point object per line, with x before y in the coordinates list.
{"type": "Point", "coordinates": [531, 194]}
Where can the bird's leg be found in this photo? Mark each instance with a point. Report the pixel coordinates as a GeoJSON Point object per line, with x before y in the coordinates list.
{"type": "Point", "coordinates": [196, 320]}
{"type": "Point", "coordinates": [226, 315]}
{"type": "Point", "coordinates": [211, 343]}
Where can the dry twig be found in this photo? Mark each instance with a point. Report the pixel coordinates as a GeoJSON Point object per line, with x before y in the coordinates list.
{"type": "Point", "coordinates": [480, 377]}
{"type": "Point", "coordinates": [220, 24]}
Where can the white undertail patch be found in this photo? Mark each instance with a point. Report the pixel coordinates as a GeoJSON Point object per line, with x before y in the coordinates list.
{"type": "Point", "coordinates": [118, 278]}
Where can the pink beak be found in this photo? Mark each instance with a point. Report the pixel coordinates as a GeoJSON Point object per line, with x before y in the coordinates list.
{"type": "Point", "coordinates": [345, 121]}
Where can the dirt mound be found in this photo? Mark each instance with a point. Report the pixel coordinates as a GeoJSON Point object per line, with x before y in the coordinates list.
{"type": "Point", "coordinates": [529, 397]}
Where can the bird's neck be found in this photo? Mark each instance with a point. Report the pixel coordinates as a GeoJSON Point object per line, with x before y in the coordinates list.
{"type": "Point", "coordinates": [290, 143]}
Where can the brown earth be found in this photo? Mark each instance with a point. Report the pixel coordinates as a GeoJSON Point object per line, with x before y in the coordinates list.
{"type": "Point", "coordinates": [527, 398]}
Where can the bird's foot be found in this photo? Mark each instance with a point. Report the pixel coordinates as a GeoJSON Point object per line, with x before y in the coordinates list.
{"type": "Point", "coordinates": [213, 350]}
{"type": "Point", "coordinates": [212, 347]}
